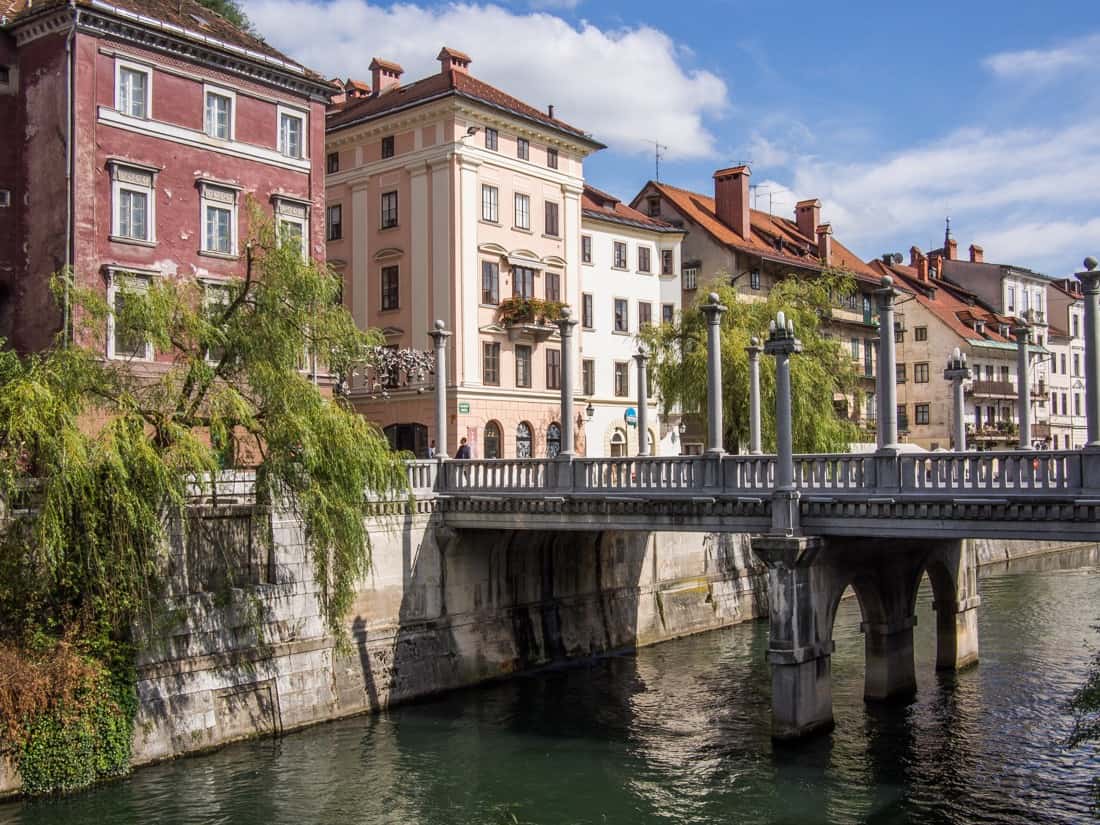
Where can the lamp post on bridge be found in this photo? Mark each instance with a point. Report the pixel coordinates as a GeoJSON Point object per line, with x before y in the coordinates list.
{"type": "Point", "coordinates": [887, 368]}
{"type": "Point", "coordinates": [754, 349]}
{"type": "Point", "coordinates": [565, 325]}
{"type": "Point", "coordinates": [1023, 385]}
{"type": "Point", "coordinates": [1090, 282]}
{"type": "Point", "coordinates": [439, 337]}
{"type": "Point", "coordinates": [957, 371]}
{"type": "Point", "coordinates": [782, 344]}
{"type": "Point", "coordinates": [714, 311]}
{"type": "Point", "coordinates": [640, 357]}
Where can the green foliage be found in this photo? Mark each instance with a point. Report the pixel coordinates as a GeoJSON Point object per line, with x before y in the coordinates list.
{"type": "Point", "coordinates": [1085, 707]}
{"type": "Point", "coordinates": [231, 11]}
{"type": "Point", "coordinates": [817, 375]}
{"type": "Point", "coordinates": [521, 310]}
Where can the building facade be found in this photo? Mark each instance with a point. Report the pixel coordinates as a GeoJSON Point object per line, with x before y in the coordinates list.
{"type": "Point", "coordinates": [449, 199]}
{"type": "Point", "coordinates": [630, 266]}
{"type": "Point", "coordinates": [138, 134]}
{"type": "Point", "coordinates": [1066, 324]}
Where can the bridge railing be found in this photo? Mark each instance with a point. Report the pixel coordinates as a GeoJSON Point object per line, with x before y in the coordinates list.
{"type": "Point", "coordinates": [992, 472]}
{"type": "Point", "coordinates": [497, 475]}
{"type": "Point", "coordinates": [748, 473]}
{"type": "Point", "coordinates": [642, 473]}
{"type": "Point", "coordinates": [423, 476]}
{"type": "Point", "coordinates": [834, 471]}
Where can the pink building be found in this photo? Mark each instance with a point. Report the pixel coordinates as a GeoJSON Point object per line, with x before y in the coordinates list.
{"type": "Point", "coordinates": [449, 199]}
{"type": "Point", "coordinates": [134, 131]}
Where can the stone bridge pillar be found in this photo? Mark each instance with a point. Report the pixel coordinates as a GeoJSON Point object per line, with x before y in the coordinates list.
{"type": "Point", "coordinates": [713, 310]}
{"type": "Point", "coordinates": [953, 566]}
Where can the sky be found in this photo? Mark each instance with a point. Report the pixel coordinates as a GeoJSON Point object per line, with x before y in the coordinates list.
{"type": "Point", "coordinates": [893, 115]}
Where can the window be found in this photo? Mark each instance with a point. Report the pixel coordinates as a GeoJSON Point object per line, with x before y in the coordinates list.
{"type": "Point", "coordinates": [586, 311]}
{"type": "Point", "coordinates": [334, 220]}
{"type": "Point", "coordinates": [855, 349]}
{"type": "Point", "coordinates": [1077, 403]}
{"type": "Point", "coordinates": [620, 255]}
{"type": "Point", "coordinates": [643, 259]}
{"type": "Point", "coordinates": [219, 219]}
{"type": "Point", "coordinates": [5, 198]}
{"type": "Point", "coordinates": [490, 282]}
{"type": "Point", "coordinates": [691, 277]}
{"type": "Point", "coordinates": [332, 162]}
{"type": "Point", "coordinates": [900, 375]}
{"type": "Point", "coordinates": [988, 372]}
{"type": "Point", "coordinates": [551, 219]}
{"type": "Point", "coordinates": [553, 286]}
{"type": "Point", "coordinates": [219, 114]}
{"type": "Point", "coordinates": [389, 209]}
{"type": "Point", "coordinates": [132, 215]}
{"type": "Point", "coordinates": [5, 75]}
{"type": "Point", "coordinates": [1076, 365]}
{"type": "Point", "coordinates": [921, 413]}
{"type": "Point", "coordinates": [903, 417]}
{"type": "Point", "coordinates": [622, 379]}
{"type": "Point", "coordinates": [920, 333]}
{"type": "Point", "coordinates": [1065, 405]}
{"type": "Point", "coordinates": [645, 314]}
{"type": "Point", "coordinates": [1075, 321]}
{"type": "Point", "coordinates": [553, 440]}
{"type": "Point", "coordinates": [668, 313]}
{"type": "Point", "coordinates": [123, 342]}
{"type": "Point", "coordinates": [132, 84]}
{"type": "Point", "coordinates": [387, 147]}
{"type": "Point", "coordinates": [390, 287]}
{"type": "Point", "coordinates": [492, 440]}
{"type": "Point", "coordinates": [523, 211]}
{"type": "Point", "coordinates": [920, 373]}
{"type": "Point", "coordinates": [523, 282]}
{"type": "Point", "coordinates": [291, 224]}
{"type": "Point", "coordinates": [1004, 374]}
{"type": "Point", "coordinates": [523, 148]}
{"type": "Point", "coordinates": [553, 369]}
{"type": "Point", "coordinates": [586, 249]}
{"type": "Point", "coordinates": [215, 299]}
{"type": "Point", "coordinates": [588, 376]}
{"type": "Point", "coordinates": [491, 139]}
{"type": "Point", "coordinates": [292, 128]}
{"type": "Point", "coordinates": [490, 203]}
{"type": "Point", "coordinates": [868, 358]}
{"type": "Point", "coordinates": [754, 279]}
{"type": "Point", "coordinates": [523, 440]}
{"type": "Point", "coordinates": [490, 363]}
{"type": "Point", "coordinates": [621, 323]}
{"type": "Point", "coordinates": [653, 206]}
{"type": "Point", "coordinates": [666, 261]}
{"type": "Point", "coordinates": [1062, 359]}
{"type": "Point", "coordinates": [552, 158]}
{"type": "Point", "coordinates": [1010, 304]}
{"type": "Point", "coordinates": [523, 366]}
{"type": "Point", "coordinates": [899, 333]}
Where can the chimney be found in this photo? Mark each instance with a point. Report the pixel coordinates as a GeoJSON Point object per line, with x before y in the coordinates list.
{"type": "Point", "coordinates": [935, 262]}
{"type": "Point", "coordinates": [807, 215]}
{"type": "Point", "coordinates": [550, 111]}
{"type": "Point", "coordinates": [731, 199]}
{"type": "Point", "coordinates": [452, 60]}
{"type": "Point", "coordinates": [384, 75]}
{"type": "Point", "coordinates": [825, 242]}
{"type": "Point", "coordinates": [951, 249]}
{"type": "Point", "coordinates": [977, 254]}
{"type": "Point", "coordinates": [919, 261]}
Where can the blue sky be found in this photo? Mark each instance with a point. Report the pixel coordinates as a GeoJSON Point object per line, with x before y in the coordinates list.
{"type": "Point", "coordinates": [894, 115]}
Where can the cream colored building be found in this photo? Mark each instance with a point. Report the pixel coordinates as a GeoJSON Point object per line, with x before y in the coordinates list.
{"type": "Point", "coordinates": [448, 199]}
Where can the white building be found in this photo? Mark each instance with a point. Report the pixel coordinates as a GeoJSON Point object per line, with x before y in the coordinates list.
{"type": "Point", "coordinates": [630, 266]}
{"type": "Point", "coordinates": [1066, 317]}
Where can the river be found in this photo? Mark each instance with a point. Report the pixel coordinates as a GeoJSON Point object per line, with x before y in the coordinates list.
{"type": "Point", "coordinates": [679, 733]}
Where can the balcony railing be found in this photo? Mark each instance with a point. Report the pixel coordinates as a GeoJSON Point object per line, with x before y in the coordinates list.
{"type": "Point", "coordinates": [993, 388]}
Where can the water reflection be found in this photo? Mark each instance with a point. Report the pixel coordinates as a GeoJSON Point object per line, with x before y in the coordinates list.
{"type": "Point", "coordinates": [679, 733]}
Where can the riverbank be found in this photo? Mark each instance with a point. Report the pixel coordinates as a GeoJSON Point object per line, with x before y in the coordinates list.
{"type": "Point", "coordinates": [439, 611]}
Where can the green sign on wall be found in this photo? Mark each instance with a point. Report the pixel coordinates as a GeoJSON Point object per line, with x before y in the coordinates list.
{"type": "Point", "coordinates": [463, 407]}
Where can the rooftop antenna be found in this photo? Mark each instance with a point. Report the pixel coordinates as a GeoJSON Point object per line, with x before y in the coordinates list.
{"type": "Point", "coordinates": [657, 147]}
{"type": "Point", "coordinates": [756, 193]}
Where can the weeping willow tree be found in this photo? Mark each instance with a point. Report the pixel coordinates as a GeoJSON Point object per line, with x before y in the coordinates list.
{"type": "Point", "coordinates": [1084, 705]}
{"type": "Point", "coordinates": [98, 455]}
{"type": "Point", "coordinates": [821, 372]}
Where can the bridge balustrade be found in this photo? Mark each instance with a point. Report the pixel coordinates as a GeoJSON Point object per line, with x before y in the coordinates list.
{"type": "Point", "coordinates": [497, 475]}
{"type": "Point", "coordinates": [988, 472]}
{"type": "Point", "coordinates": [833, 471]}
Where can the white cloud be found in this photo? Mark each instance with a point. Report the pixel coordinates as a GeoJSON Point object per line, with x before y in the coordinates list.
{"type": "Point", "coordinates": [554, 4]}
{"type": "Point", "coordinates": [624, 86]}
{"type": "Point", "coordinates": [1045, 63]}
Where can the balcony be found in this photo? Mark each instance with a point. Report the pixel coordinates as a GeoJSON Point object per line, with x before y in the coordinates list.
{"type": "Point", "coordinates": [993, 389]}
{"type": "Point", "coordinates": [529, 317]}
{"type": "Point", "coordinates": [993, 431]}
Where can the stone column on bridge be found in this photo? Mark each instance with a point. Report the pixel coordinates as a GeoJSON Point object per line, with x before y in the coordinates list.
{"type": "Point", "coordinates": [640, 357]}
{"type": "Point", "coordinates": [957, 371]}
{"type": "Point", "coordinates": [714, 311]}
{"type": "Point", "coordinates": [887, 367]}
{"type": "Point", "coordinates": [782, 344]}
{"type": "Point", "coordinates": [566, 323]}
{"type": "Point", "coordinates": [439, 337]}
{"type": "Point", "coordinates": [754, 349]}
{"type": "Point", "coordinates": [1090, 282]}
{"type": "Point", "coordinates": [1023, 385]}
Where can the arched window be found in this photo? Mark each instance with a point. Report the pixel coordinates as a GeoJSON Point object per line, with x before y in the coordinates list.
{"type": "Point", "coordinates": [553, 440]}
{"type": "Point", "coordinates": [492, 440]}
{"type": "Point", "coordinates": [523, 440]}
{"type": "Point", "coordinates": [618, 444]}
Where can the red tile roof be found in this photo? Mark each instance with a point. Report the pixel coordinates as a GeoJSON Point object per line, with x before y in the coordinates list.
{"type": "Point", "coordinates": [774, 238]}
{"type": "Point", "coordinates": [195, 21]}
{"type": "Point", "coordinates": [443, 84]}
{"type": "Point", "coordinates": [600, 205]}
{"type": "Point", "coordinates": [944, 300]}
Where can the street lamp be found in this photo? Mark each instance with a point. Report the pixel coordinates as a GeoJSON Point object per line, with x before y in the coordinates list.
{"type": "Point", "coordinates": [589, 411]}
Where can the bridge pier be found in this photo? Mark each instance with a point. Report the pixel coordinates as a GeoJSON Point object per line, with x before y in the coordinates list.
{"type": "Point", "coordinates": [807, 577]}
